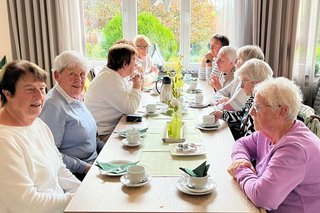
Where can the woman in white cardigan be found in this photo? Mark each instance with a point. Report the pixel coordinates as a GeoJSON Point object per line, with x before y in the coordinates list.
{"type": "Point", "coordinates": [33, 176]}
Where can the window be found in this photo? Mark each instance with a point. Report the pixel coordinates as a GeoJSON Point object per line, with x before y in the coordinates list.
{"type": "Point", "coordinates": [181, 30]}
{"type": "Point", "coordinates": [160, 26]}
{"type": "Point", "coordinates": [202, 28]}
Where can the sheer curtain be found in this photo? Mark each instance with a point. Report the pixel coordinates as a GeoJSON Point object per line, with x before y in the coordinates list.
{"type": "Point", "coordinates": [270, 24]}
{"type": "Point", "coordinates": [275, 32]}
{"type": "Point", "coordinates": [304, 61]}
{"type": "Point", "coordinates": [40, 30]}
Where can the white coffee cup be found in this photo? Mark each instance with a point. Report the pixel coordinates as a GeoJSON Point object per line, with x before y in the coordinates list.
{"type": "Point", "coordinates": [193, 85]}
{"type": "Point", "coordinates": [187, 76]}
{"type": "Point", "coordinates": [136, 174]}
{"type": "Point", "coordinates": [151, 108]}
{"type": "Point", "coordinates": [198, 98]}
{"type": "Point", "coordinates": [208, 120]}
{"type": "Point", "coordinates": [133, 136]}
{"type": "Point", "coordinates": [198, 182]}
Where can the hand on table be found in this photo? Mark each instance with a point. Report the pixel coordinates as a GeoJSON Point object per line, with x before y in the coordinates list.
{"type": "Point", "coordinates": [88, 166]}
{"type": "Point", "coordinates": [222, 100]}
{"type": "Point", "coordinates": [217, 114]}
{"type": "Point", "coordinates": [238, 164]}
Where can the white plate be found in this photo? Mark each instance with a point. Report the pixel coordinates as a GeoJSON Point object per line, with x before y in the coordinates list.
{"type": "Point", "coordinates": [103, 172]}
{"type": "Point", "coordinates": [195, 105]}
{"type": "Point", "coordinates": [199, 151]}
{"type": "Point", "coordinates": [208, 128]}
{"type": "Point", "coordinates": [127, 183]}
{"type": "Point", "coordinates": [125, 142]}
{"type": "Point", "coordinates": [182, 186]}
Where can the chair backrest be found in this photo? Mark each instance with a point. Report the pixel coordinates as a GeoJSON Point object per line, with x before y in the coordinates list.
{"type": "Point", "coordinates": [91, 74]}
{"type": "Point", "coordinates": [313, 123]}
{"type": "Point", "coordinates": [305, 111]}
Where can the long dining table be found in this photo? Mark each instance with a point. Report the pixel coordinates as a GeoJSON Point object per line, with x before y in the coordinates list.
{"type": "Point", "coordinates": [102, 193]}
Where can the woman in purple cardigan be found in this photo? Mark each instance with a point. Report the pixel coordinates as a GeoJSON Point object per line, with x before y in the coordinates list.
{"type": "Point", "coordinates": [286, 177]}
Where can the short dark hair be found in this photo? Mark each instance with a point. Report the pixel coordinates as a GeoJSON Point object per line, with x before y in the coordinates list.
{"type": "Point", "coordinates": [222, 38]}
{"type": "Point", "coordinates": [120, 55]}
{"type": "Point", "coordinates": [14, 71]}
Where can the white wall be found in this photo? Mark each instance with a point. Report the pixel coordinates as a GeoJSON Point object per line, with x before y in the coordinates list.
{"type": "Point", "coordinates": [5, 45]}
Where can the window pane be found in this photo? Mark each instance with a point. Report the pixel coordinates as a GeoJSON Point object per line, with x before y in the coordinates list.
{"type": "Point", "coordinates": [103, 26]}
{"type": "Point", "coordinates": [203, 26]}
{"type": "Point", "coordinates": [160, 26]}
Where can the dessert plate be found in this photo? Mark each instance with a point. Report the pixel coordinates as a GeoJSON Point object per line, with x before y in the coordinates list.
{"type": "Point", "coordinates": [125, 181]}
{"type": "Point", "coordinates": [188, 149]}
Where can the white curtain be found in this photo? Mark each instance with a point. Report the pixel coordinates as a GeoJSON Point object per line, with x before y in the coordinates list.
{"type": "Point", "coordinates": [226, 19]}
{"type": "Point", "coordinates": [40, 30]}
{"type": "Point", "coordinates": [306, 41]}
{"type": "Point", "coordinates": [270, 24]}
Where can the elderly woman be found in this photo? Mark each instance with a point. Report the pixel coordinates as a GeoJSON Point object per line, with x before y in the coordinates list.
{"type": "Point", "coordinates": [208, 62]}
{"type": "Point", "coordinates": [286, 177]}
{"type": "Point", "coordinates": [250, 74]}
{"type": "Point", "coordinates": [110, 94]}
{"type": "Point", "coordinates": [232, 97]}
{"type": "Point", "coordinates": [226, 60]}
{"type": "Point", "coordinates": [141, 42]}
{"type": "Point", "coordinates": [73, 127]}
{"type": "Point", "coordinates": [33, 175]}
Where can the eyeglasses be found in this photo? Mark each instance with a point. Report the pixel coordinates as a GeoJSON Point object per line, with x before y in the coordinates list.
{"type": "Point", "coordinates": [245, 81]}
{"type": "Point", "coordinates": [142, 46]}
{"type": "Point", "coordinates": [256, 107]}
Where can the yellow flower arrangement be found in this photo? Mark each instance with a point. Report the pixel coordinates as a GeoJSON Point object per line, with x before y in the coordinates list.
{"type": "Point", "coordinates": [175, 125]}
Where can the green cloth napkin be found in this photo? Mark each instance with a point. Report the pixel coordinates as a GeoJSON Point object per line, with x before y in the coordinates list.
{"type": "Point", "coordinates": [200, 171]}
{"type": "Point", "coordinates": [114, 168]}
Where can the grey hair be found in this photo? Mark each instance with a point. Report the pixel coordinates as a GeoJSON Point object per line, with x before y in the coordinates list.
{"type": "Point", "coordinates": [69, 59]}
{"type": "Point", "coordinates": [250, 51]}
{"type": "Point", "coordinates": [255, 70]}
{"type": "Point", "coordinates": [281, 91]}
{"type": "Point", "coordinates": [230, 51]}
{"type": "Point", "coordinates": [138, 38]}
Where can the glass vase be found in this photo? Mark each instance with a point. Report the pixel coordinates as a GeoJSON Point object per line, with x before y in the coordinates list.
{"type": "Point", "coordinates": [175, 125]}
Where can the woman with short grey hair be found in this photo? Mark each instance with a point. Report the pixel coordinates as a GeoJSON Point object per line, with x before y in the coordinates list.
{"type": "Point", "coordinates": [286, 175]}
{"type": "Point", "coordinates": [232, 97]}
{"type": "Point", "coordinates": [249, 74]}
{"type": "Point", "coordinates": [73, 127]}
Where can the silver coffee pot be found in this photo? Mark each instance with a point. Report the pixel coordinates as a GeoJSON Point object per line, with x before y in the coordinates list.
{"type": "Point", "coordinates": [166, 89]}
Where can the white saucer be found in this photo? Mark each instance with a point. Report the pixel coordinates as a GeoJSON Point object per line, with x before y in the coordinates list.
{"type": "Point", "coordinates": [125, 142]}
{"type": "Point", "coordinates": [208, 128]}
{"type": "Point", "coordinates": [124, 180]}
{"type": "Point", "coordinates": [152, 114]}
{"type": "Point", "coordinates": [123, 135]}
{"type": "Point", "coordinates": [182, 186]}
{"type": "Point", "coordinates": [103, 172]}
{"type": "Point", "coordinates": [195, 105]}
